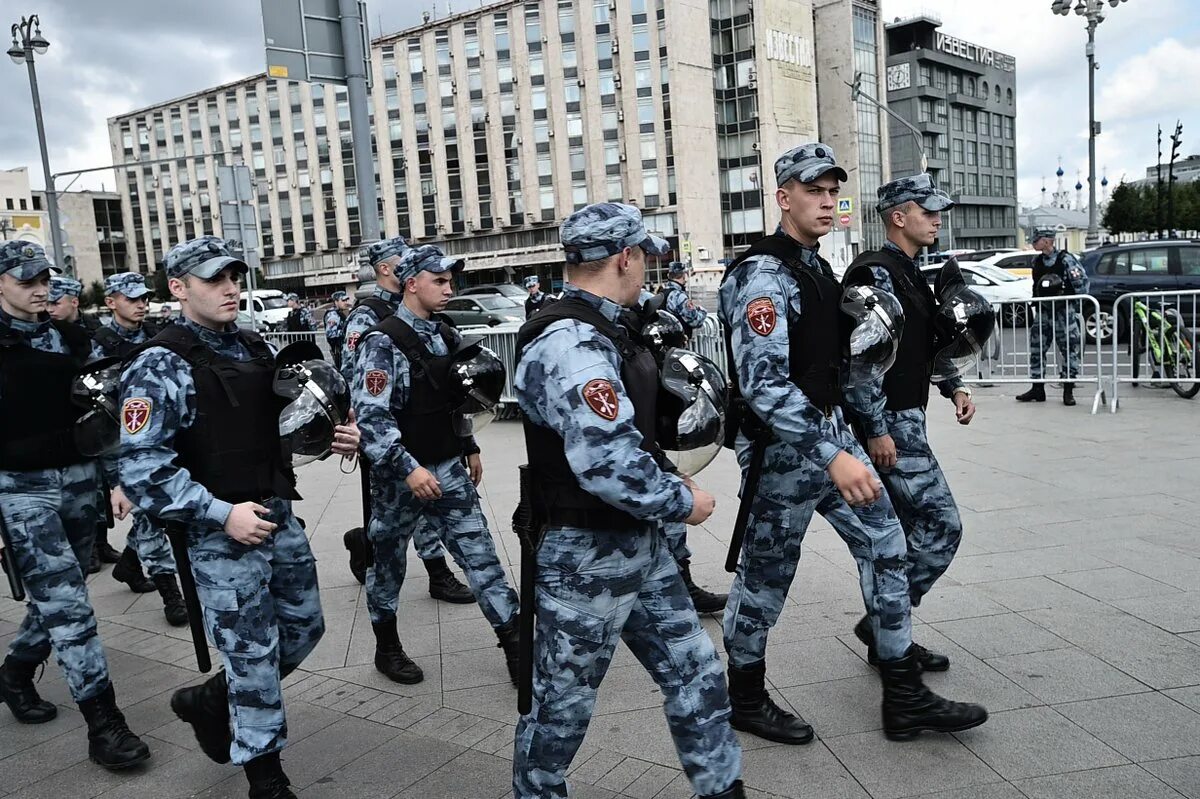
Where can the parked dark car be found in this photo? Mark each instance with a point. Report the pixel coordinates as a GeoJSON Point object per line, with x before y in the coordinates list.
{"type": "Point", "coordinates": [485, 309]}
{"type": "Point", "coordinates": [1116, 269]}
{"type": "Point", "coordinates": [502, 289]}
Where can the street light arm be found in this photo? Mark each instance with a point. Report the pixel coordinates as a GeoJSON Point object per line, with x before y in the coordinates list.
{"type": "Point", "coordinates": [857, 94]}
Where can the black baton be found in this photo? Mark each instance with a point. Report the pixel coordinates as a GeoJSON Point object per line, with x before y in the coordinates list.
{"type": "Point", "coordinates": [758, 453]}
{"type": "Point", "coordinates": [529, 530]}
{"type": "Point", "coordinates": [187, 586]}
{"type": "Point", "coordinates": [8, 562]}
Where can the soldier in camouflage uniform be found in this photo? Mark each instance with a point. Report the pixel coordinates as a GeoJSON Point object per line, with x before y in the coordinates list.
{"type": "Point", "coordinates": [537, 298]}
{"type": "Point", "coordinates": [384, 257]}
{"type": "Point", "coordinates": [423, 463]}
{"type": "Point", "coordinates": [604, 568]}
{"type": "Point", "coordinates": [1057, 273]}
{"type": "Point", "coordinates": [127, 297]}
{"type": "Point", "coordinates": [676, 299]}
{"type": "Point", "coordinates": [200, 449]}
{"type": "Point", "coordinates": [335, 325]}
{"type": "Point", "coordinates": [299, 319]}
{"type": "Point", "coordinates": [50, 499]}
{"type": "Point", "coordinates": [779, 302]}
{"type": "Point", "coordinates": [890, 413]}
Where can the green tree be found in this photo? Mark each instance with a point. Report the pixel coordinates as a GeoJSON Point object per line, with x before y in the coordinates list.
{"type": "Point", "coordinates": [1126, 212]}
{"type": "Point", "coordinates": [93, 295]}
{"type": "Point", "coordinates": [158, 280]}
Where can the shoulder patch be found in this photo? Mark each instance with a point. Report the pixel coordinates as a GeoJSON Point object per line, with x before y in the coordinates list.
{"type": "Point", "coordinates": [135, 412]}
{"type": "Point", "coordinates": [760, 313]}
{"type": "Point", "coordinates": [375, 382]}
{"type": "Point", "coordinates": [352, 340]}
{"type": "Point", "coordinates": [601, 397]}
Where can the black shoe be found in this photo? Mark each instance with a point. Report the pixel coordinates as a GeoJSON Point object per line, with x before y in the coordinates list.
{"type": "Point", "coordinates": [754, 711]}
{"type": "Point", "coordinates": [1068, 394]}
{"type": "Point", "coordinates": [106, 551]}
{"type": "Point", "coordinates": [390, 659]}
{"type": "Point", "coordinates": [705, 601]}
{"type": "Point", "coordinates": [1035, 394]}
{"type": "Point", "coordinates": [266, 778]}
{"type": "Point", "coordinates": [444, 585]}
{"type": "Point", "coordinates": [510, 641]}
{"type": "Point", "coordinates": [359, 547]}
{"type": "Point", "coordinates": [206, 708]}
{"type": "Point", "coordinates": [129, 571]}
{"type": "Point", "coordinates": [110, 741]}
{"type": "Point", "coordinates": [736, 791]}
{"type": "Point", "coordinates": [18, 692]}
{"type": "Point", "coordinates": [173, 607]}
{"type": "Point", "coordinates": [929, 661]}
{"type": "Point", "coordinates": [909, 708]}
{"type": "Point", "coordinates": [93, 565]}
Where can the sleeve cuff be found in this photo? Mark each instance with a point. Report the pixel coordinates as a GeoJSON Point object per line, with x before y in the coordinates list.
{"type": "Point", "coordinates": [407, 464]}
{"type": "Point", "coordinates": [684, 502]}
{"type": "Point", "coordinates": [218, 512]}
{"type": "Point", "coordinates": [826, 452]}
{"type": "Point", "coordinates": [874, 428]}
{"type": "Point", "coordinates": [469, 447]}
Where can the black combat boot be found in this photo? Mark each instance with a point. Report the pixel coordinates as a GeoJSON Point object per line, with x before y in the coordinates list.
{"type": "Point", "coordinates": [266, 778]}
{"type": "Point", "coordinates": [206, 708]}
{"type": "Point", "coordinates": [93, 565]}
{"type": "Point", "coordinates": [510, 641]}
{"type": "Point", "coordinates": [105, 550]}
{"type": "Point", "coordinates": [18, 692]}
{"type": "Point", "coordinates": [129, 571]}
{"type": "Point", "coordinates": [705, 601]}
{"type": "Point", "coordinates": [1035, 394]}
{"type": "Point", "coordinates": [1068, 394]}
{"type": "Point", "coordinates": [736, 791]}
{"type": "Point", "coordinates": [929, 661]}
{"type": "Point", "coordinates": [909, 708]}
{"type": "Point", "coordinates": [173, 607]}
{"type": "Point", "coordinates": [359, 547]}
{"type": "Point", "coordinates": [390, 659]}
{"type": "Point", "coordinates": [756, 713]}
{"type": "Point", "coordinates": [110, 742]}
{"type": "Point", "coordinates": [444, 585]}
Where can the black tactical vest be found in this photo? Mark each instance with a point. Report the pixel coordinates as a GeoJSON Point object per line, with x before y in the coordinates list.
{"type": "Point", "coordinates": [1040, 270]}
{"type": "Point", "coordinates": [427, 420]}
{"type": "Point", "coordinates": [563, 501]}
{"type": "Point", "coordinates": [233, 447]}
{"type": "Point", "coordinates": [114, 345]}
{"type": "Point", "coordinates": [906, 384]}
{"type": "Point", "coordinates": [37, 416]}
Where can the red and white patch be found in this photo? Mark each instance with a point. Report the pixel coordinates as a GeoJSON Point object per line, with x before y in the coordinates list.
{"type": "Point", "coordinates": [135, 413]}
{"type": "Point", "coordinates": [601, 397]}
{"type": "Point", "coordinates": [375, 382]}
{"type": "Point", "coordinates": [761, 315]}
{"type": "Point", "coordinates": [352, 340]}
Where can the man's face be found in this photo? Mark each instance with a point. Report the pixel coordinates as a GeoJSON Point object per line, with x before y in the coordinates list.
{"type": "Point", "coordinates": [65, 310]}
{"type": "Point", "coordinates": [634, 259]}
{"type": "Point", "coordinates": [211, 303]}
{"type": "Point", "coordinates": [129, 313]}
{"type": "Point", "coordinates": [342, 304]}
{"type": "Point", "coordinates": [535, 288]}
{"type": "Point", "coordinates": [24, 299]}
{"type": "Point", "coordinates": [918, 226]}
{"type": "Point", "coordinates": [810, 206]}
{"type": "Point", "coordinates": [432, 291]}
{"type": "Point", "coordinates": [1044, 245]}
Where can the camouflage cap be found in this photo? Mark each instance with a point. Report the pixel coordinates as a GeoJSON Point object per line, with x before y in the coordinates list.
{"type": "Point", "coordinates": [427, 258]}
{"type": "Point", "coordinates": [64, 287]}
{"type": "Point", "coordinates": [677, 268]}
{"type": "Point", "coordinates": [24, 260]}
{"type": "Point", "coordinates": [605, 229]}
{"type": "Point", "coordinates": [531, 281]}
{"type": "Point", "coordinates": [131, 284]}
{"type": "Point", "coordinates": [204, 257]}
{"type": "Point", "coordinates": [919, 189]}
{"type": "Point", "coordinates": [1042, 233]}
{"type": "Point", "coordinates": [292, 296]}
{"type": "Point", "coordinates": [337, 296]}
{"type": "Point", "coordinates": [806, 163]}
{"type": "Point", "coordinates": [382, 250]}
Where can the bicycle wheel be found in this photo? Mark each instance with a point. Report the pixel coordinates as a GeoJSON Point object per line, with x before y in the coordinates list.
{"type": "Point", "coordinates": [1185, 390]}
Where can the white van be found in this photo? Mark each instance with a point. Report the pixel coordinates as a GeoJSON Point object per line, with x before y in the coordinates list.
{"type": "Point", "coordinates": [270, 308]}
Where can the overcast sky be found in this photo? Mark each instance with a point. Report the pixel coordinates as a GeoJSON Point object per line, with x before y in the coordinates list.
{"type": "Point", "coordinates": [110, 57]}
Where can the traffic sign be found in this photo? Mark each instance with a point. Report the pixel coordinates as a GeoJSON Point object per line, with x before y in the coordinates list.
{"type": "Point", "coordinates": [845, 220]}
{"type": "Point", "coordinates": [845, 205]}
{"type": "Point", "coordinates": [304, 40]}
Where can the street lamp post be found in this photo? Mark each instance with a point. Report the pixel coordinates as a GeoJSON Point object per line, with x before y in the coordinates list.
{"type": "Point", "coordinates": [27, 39]}
{"type": "Point", "coordinates": [1093, 11]}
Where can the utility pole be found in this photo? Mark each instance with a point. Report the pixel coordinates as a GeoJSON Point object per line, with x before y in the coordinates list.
{"type": "Point", "coordinates": [1176, 140]}
{"type": "Point", "coordinates": [1158, 189]}
{"type": "Point", "coordinates": [360, 119]}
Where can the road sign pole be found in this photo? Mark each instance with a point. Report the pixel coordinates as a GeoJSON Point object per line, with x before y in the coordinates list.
{"type": "Point", "coordinates": [360, 120]}
{"type": "Point", "coordinates": [237, 198]}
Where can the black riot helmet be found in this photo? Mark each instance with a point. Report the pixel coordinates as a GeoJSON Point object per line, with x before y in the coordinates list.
{"type": "Point", "coordinates": [1049, 285]}
{"type": "Point", "coordinates": [962, 325]}
{"type": "Point", "coordinates": [661, 330]}
{"type": "Point", "coordinates": [877, 323]}
{"type": "Point", "coordinates": [319, 402]}
{"type": "Point", "coordinates": [97, 389]}
{"type": "Point", "coordinates": [690, 410]}
{"type": "Point", "coordinates": [477, 377]}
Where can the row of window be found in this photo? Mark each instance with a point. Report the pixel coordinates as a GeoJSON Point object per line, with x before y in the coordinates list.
{"type": "Point", "coordinates": [954, 82]}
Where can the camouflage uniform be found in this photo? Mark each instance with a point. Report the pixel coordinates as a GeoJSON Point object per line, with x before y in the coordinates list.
{"type": "Point", "coordinates": [1062, 325]}
{"type": "Point", "coordinates": [597, 586]}
{"type": "Point", "coordinates": [535, 302]}
{"type": "Point", "coordinates": [335, 329]}
{"type": "Point", "coordinates": [379, 393]}
{"type": "Point", "coordinates": [261, 605]}
{"type": "Point", "coordinates": [680, 304]}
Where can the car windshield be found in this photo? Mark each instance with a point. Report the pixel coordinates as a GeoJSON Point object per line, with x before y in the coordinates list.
{"type": "Point", "coordinates": [270, 303]}
{"type": "Point", "coordinates": [495, 302]}
{"type": "Point", "coordinates": [996, 273]}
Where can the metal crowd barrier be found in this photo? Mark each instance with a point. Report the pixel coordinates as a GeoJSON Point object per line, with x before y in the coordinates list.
{"type": "Point", "coordinates": [281, 340]}
{"type": "Point", "coordinates": [709, 341]}
{"type": "Point", "coordinates": [1156, 332]}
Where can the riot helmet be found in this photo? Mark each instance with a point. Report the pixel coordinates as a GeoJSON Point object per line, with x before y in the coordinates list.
{"type": "Point", "coordinates": [1049, 285]}
{"type": "Point", "coordinates": [319, 402]}
{"type": "Point", "coordinates": [662, 330]}
{"type": "Point", "coordinates": [874, 339]}
{"type": "Point", "coordinates": [97, 389]}
{"type": "Point", "coordinates": [962, 325]}
{"type": "Point", "coordinates": [477, 377]}
{"type": "Point", "coordinates": [690, 424]}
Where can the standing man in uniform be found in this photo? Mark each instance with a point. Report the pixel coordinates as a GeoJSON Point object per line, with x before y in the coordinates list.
{"type": "Point", "coordinates": [127, 297]}
{"type": "Point", "coordinates": [335, 325]}
{"type": "Point", "coordinates": [780, 303]}
{"type": "Point", "coordinates": [50, 499]}
{"type": "Point", "coordinates": [424, 465]}
{"type": "Point", "coordinates": [384, 257]}
{"type": "Point", "coordinates": [891, 412]}
{"type": "Point", "coordinates": [1056, 273]}
{"type": "Point", "coordinates": [299, 319]}
{"type": "Point", "coordinates": [536, 300]}
{"type": "Point", "coordinates": [200, 449]}
{"type": "Point", "coordinates": [676, 300]}
{"type": "Point", "coordinates": [604, 569]}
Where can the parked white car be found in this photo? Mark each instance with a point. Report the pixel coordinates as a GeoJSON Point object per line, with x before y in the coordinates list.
{"type": "Point", "coordinates": [996, 285]}
{"type": "Point", "coordinates": [1019, 262]}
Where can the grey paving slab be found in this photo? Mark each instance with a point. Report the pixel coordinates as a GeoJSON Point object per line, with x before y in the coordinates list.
{"type": "Point", "coordinates": [1140, 726]}
{"type": "Point", "coordinates": [810, 771]}
{"type": "Point", "coordinates": [1175, 613]}
{"type": "Point", "coordinates": [1122, 782]}
{"type": "Point", "coordinates": [1037, 741]}
{"type": "Point", "coordinates": [1007, 634]}
{"type": "Point", "coordinates": [887, 771]}
{"type": "Point", "coordinates": [1181, 773]}
{"type": "Point", "coordinates": [1065, 675]}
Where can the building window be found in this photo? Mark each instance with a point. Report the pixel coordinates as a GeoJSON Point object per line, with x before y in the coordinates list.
{"type": "Point", "coordinates": [972, 157]}
{"type": "Point", "coordinates": [957, 148]}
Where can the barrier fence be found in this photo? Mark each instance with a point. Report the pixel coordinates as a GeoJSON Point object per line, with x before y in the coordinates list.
{"type": "Point", "coordinates": [1154, 338]}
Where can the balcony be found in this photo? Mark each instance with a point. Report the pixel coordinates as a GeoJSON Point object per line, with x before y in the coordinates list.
{"type": "Point", "coordinates": [969, 100]}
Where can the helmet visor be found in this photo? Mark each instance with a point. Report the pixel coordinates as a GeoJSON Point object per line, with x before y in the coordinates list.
{"type": "Point", "coordinates": [964, 324]}
{"type": "Point", "coordinates": [878, 320]}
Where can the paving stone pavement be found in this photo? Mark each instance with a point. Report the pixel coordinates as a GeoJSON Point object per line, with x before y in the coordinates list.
{"type": "Point", "coordinates": [1072, 612]}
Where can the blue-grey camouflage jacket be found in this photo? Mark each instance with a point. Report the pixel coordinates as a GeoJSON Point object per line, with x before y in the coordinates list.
{"type": "Point", "coordinates": [682, 306]}
{"type": "Point", "coordinates": [136, 336]}
{"type": "Point", "coordinates": [605, 453]}
{"type": "Point", "coordinates": [1077, 278]}
{"type": "Point", "coordinates": [359, 321]}
{"type": "Point", "coordinates": [333, 325]}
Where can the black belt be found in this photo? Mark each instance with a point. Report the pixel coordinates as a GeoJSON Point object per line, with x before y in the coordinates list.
{"type": "Point", "coordinates": [595, 519]}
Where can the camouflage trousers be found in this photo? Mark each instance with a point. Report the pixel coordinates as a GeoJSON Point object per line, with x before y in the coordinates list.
{"type": "Point", "coordinates": [150, 543]}
{"type": "Point", "coordinates": [1063, 328]}
{"type": "Point", "coordinates": [676, 533]}
{"type": "Point", "coordinates": [596, 587]}
{"type": "Point", "coordinates": [52, 516]}
{"type": "Point", "coordinates": [425, 538]}
{"type": "Point", "coordinates": [262, 610]}
{"type": "Point", "coordinates": [791, 489]}
{"type": "Point", "coordinates": [457, 520]}
{"type": "Point", "coordinates": [922, 500]}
